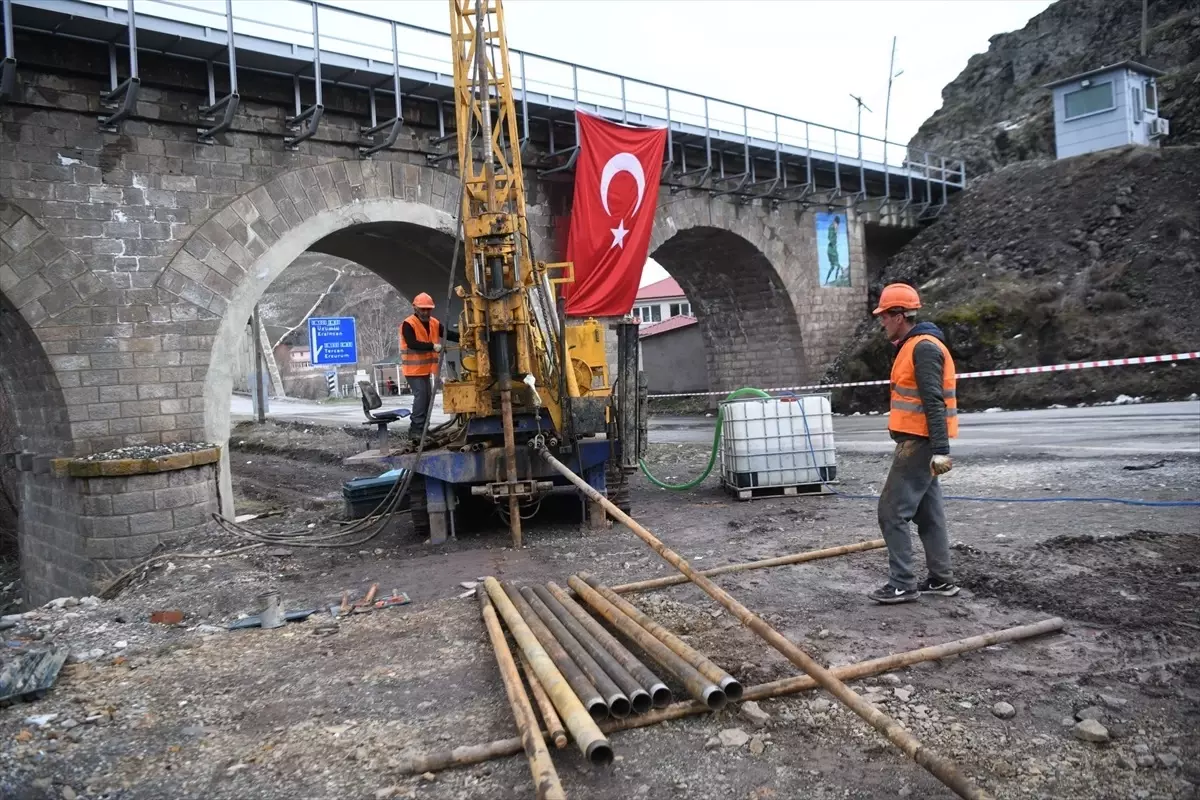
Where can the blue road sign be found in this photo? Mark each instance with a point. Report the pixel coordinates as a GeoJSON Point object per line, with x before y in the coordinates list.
{"type": "Point", "coordinates": [332, 340]}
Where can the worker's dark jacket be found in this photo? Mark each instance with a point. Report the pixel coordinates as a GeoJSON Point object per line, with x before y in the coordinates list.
{"type": "Point", "coordinates": [928, 362]}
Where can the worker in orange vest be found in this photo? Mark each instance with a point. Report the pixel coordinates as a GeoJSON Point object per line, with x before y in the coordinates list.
{"type": "Point", "coordinates": [922, 419]}
{"type": "Point", "coordinates": [420, 344]}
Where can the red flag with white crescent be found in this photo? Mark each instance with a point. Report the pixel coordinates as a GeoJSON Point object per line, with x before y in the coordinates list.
{"type": "Point", "coordinates": [616, 195]}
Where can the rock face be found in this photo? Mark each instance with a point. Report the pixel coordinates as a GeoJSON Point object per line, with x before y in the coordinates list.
{"type": "Point", "coordinates": [1031, 266]}
{"type": "Point", "coordinates": [995, 112]}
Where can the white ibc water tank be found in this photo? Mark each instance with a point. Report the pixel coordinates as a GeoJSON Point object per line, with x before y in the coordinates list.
{"type": "Point", "coordinates": [777, 442]}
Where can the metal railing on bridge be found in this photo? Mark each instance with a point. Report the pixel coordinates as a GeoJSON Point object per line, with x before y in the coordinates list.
{"type": "Point", "coordinates": [722, 147]}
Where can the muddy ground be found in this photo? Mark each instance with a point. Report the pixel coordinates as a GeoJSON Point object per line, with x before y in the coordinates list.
{"type": "Point", "coordinates": [196, 711]}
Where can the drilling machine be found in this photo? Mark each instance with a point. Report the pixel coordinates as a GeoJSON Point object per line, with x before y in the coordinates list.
{"type": "Point", "coordinates": [526, 377]}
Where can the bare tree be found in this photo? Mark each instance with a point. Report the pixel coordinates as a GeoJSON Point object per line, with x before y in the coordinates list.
{"type": "Point", "coordinates": [378, 320]}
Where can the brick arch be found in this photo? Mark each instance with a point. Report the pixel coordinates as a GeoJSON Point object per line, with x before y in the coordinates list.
{"type": "Point", "coordinates": [747, 314]}
{"type": "Point", "coordinates": [41, 277]}
{"type": "Point", "coordinates": [227, 264]}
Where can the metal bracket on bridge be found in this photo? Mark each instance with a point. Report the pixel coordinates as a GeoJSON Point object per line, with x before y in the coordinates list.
{"type": "Point", "coordinates": [8, 65]}
{"type": "Point", "coordinates": [227, 105]}
{"type": "Point", "coordinates": [305, 122]}
{"type": "Point", "coordinates": [122, 98]}
{"type": "Point", "coordinates": [368, 146]}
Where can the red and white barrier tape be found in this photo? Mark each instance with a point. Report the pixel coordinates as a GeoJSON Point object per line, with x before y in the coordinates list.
{"type": "Point", "coordinates": [989, 373]}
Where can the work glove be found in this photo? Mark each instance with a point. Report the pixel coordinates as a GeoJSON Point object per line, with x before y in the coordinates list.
{"type": "Point", "coordinates": [940, 465]}
{"type": "Point", "coordinates": [437, 348]}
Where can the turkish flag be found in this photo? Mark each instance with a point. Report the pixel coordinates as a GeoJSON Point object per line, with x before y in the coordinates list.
{"type": "Point", "coordinates": [616, 195]}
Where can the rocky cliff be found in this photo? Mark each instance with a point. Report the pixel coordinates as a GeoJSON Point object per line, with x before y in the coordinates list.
{"type": "Point", "coordinates": [1054, 261]}
{"type": "Point", "coordinates": [995, 113]}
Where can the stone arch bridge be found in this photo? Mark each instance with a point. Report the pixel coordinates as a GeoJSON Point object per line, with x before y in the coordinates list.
{"type": "Point", "coordinates": [131, 258]}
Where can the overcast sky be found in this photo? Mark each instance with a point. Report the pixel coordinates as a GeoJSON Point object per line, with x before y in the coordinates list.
{"type": "Point", "coordinates": [802, 58]}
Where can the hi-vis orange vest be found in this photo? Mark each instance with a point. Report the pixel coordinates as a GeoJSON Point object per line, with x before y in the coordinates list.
{"type": "Point", "coordinates": [420, 363]}
{"type": "Point", "coordinates": [907, 415]}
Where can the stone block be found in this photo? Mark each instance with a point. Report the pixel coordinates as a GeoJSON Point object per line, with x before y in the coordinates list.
{"type": "Point", "coordinates": [150, 522]}
{"type": "Point", "coordinates": [134, 502]}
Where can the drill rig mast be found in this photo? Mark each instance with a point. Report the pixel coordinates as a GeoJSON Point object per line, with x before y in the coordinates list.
{"type": "Point", "coordinates": [525, 377]}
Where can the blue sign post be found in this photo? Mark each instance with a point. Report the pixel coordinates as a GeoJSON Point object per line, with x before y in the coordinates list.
{"type": "Point", "coordinates": [332, 340]}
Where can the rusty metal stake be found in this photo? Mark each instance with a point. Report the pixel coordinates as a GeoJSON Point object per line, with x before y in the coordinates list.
{"type": "Point", "coordinates": [728, 683]}
{"type": "Point", "coordinates": [698, 686]}
{"type": "Point", "coordinates": [937, 764]}
{"type": "Point", "coordinates": [583, 688]}
{"type": "Point", "coordinates": [618, 702]}
{"type": "Point", "coordinates": [779, 561]}
{"type": "Point", "coordinates": [639, 698]}
{"type": "Point", "coordinates": [545, 779]}
{"type": "Point", "coordinates": [660, 695]}
{"type": "Point", "coordinates": [591, 742]}
{"type": "Point", "coordinates": [554, 726]}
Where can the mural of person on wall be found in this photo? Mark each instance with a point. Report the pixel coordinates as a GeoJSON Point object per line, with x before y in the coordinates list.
{"type": "Point", "coordinates": [833, 249]}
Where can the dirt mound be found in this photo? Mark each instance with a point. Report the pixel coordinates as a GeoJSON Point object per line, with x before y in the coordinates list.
{"type": "Point", "coordinates": [1121, 582]}
{"type": "Point", "coordinates": [1048, 262]}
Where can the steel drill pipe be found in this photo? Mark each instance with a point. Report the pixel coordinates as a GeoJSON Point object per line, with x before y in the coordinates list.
{"type": "Point", "coordinates": [617, 701]}
{"type": "Point", "coordinates": [583, 688]}
{"type": "Point", "coordinates": [729, 684]}
{"type": "Point", "coordinates": [475, 754]}
{"type": "Point", "coordinates": [591, 742]}
{"type": "Point", "coordinates": [545, 779]}
{"type": "Point", "coordinates": [660, 694]}
{"type": "Point", "coordinates": [698, 686]}
{"type": "Point", "coordinates": [554, 726]}
{"type": "Point", "coordinates": [937, 764]}
{"type": "Point", "coordinates": [779, 561]}
{"type": "Point", "coordinates": [639, 698]}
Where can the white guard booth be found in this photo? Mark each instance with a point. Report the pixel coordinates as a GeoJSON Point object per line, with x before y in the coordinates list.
{"type": "Point", "coordinates": [778, 446]}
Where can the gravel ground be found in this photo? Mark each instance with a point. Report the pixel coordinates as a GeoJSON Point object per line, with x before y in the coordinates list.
{"type": "Point", "coordinates": [321, 711]}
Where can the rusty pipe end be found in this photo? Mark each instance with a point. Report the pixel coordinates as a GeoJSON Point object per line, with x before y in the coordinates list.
{"type": "Point", "coordinates": [641, 701]}
{"type": "Point", "coordinates": [619, 705]}
{"type": "Point", "coordinates": [560, 739]}
{"type": "Point", "coordinates": [598, 709]}
{"type": "Point", "coordinates": [731, 687]}
{"type": "Point", "coordinates": [661, 695]}
{"type": "Point", "coordinates": [714, 698]}
{"type": "Point", "coordinates": [599, 753]}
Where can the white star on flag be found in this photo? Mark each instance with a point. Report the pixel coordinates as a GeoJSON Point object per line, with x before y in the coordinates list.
{"type": "Point", "coordinates": [619, 234]}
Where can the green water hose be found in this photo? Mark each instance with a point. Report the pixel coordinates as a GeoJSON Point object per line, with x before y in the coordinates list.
{"type": "Point", "coordinates": [712, 456]}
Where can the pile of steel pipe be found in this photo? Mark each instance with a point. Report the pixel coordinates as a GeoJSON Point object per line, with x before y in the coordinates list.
{"type": "Point", "coordinates": [475, 754]}
{"type": "Point", "coordinates": [606, 678]}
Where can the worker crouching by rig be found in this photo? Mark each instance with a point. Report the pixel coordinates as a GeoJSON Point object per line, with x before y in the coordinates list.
{"type": "Point", "coordinates": [923, 417]}
{"type": "Point", "coordinates": [420, 343]}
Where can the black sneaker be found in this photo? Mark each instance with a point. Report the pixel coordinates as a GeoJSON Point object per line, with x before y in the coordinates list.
{"type": "Point", "coordinates": [945, 589]}
{"type": "Point", "coordinates": [890, 594]}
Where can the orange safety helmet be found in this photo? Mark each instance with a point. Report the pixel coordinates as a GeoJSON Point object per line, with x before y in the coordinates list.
{"type": "Point", "coordinates": [898, 295]}
{"type": "Point", "coordinates": [423, 300]}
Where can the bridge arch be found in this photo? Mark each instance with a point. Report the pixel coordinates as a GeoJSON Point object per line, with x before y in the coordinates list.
{"type": "Point", "coordinates": [730, 271]}
{"type": "Point", "coordinates": [33, 408]}
{"type": "Point", "coordinates": [397, 220]}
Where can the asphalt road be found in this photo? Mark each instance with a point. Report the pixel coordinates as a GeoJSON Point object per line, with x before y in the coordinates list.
{"type": "Point", "coordinates": [1148, 428]}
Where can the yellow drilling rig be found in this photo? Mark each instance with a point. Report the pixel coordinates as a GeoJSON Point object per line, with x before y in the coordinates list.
{"type": "Point", "coordinates": [526, 377]}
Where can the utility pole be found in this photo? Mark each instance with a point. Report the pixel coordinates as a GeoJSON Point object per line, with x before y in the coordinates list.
{"type": "Point", "coordinates": [887, 109]}
{"type": "Point", "coordinates": [260, 385]}
{"type": "Point", "coordinates": [1145, 27]}
{"type": "Point", "coordinates": [861, 106]}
